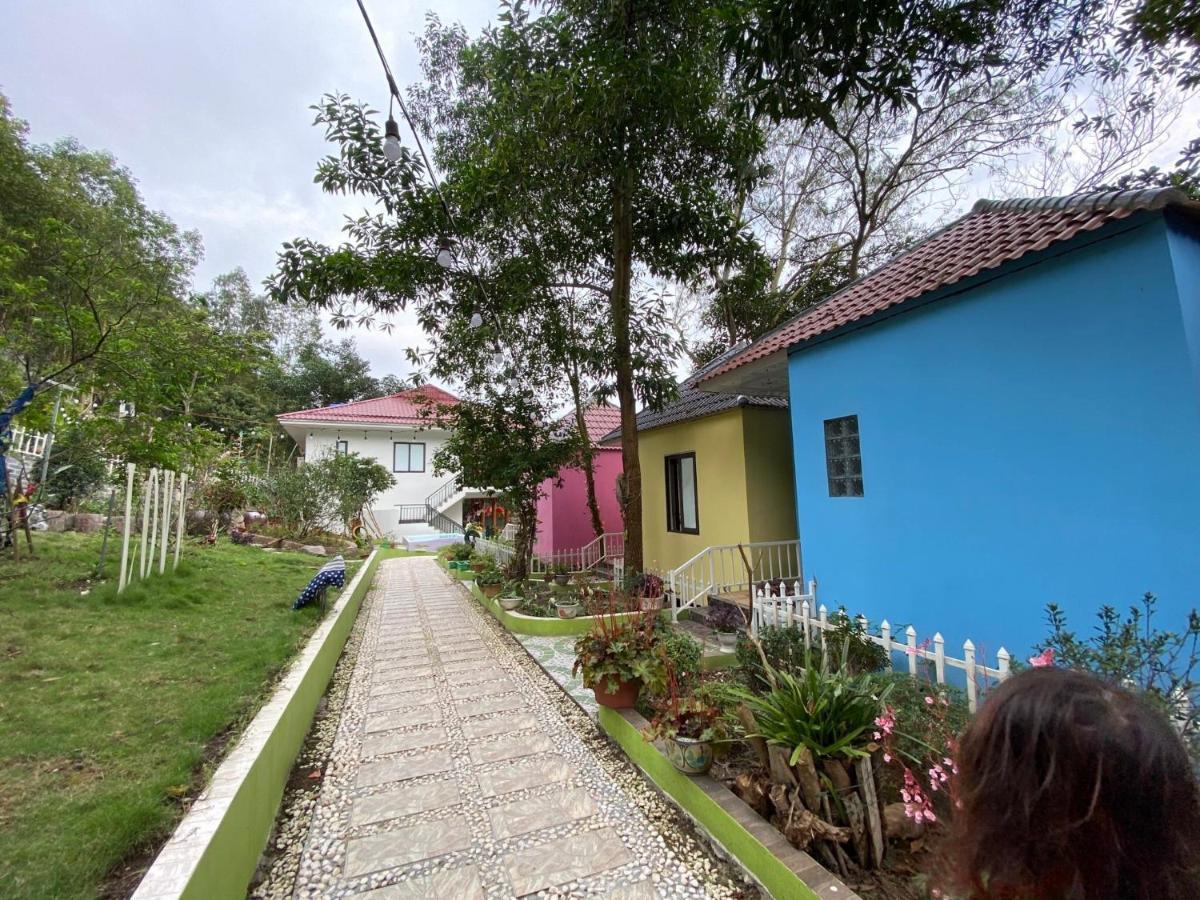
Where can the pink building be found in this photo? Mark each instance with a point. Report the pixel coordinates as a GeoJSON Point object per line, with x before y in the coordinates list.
{"type": "Point", "coordinates": [564, 522]}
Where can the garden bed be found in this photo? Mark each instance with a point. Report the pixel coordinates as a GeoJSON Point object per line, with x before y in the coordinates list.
{"type": "Point", "coordinates": [116, 707]}
{"type": "Point", "coordinates": [519, 623]}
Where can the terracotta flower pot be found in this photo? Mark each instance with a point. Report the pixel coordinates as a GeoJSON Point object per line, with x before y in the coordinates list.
{"type": "Point", "coordinates": [478, 566]}
{"type": "Point", "coordinates": [490, 590]}
{"type": "Point", "coordinates": [625, 697]}
{"type": "Point", "coordinates": [688, 755]}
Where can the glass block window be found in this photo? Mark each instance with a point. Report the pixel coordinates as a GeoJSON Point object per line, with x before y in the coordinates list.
{"type": "Point", "coordinates": [408, 457]}
{"type": "Point", "coordinates": [843, 459]}
{"type": "Point", "coordinates": [682, 508]}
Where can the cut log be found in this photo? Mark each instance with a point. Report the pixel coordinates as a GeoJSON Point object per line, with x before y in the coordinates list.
{"type": "Point", "coordinates": [866, 771]}
{"type": "Point", "coordinates": [753, 788]}
{"type": "Point", "coordinates": [781, 772]}
{"type": "Point", "coordinates": [837, 773]}
{"type": "Point", "coordinates": [842, 862]}
{"type": "Point", "coordinates": [806, 777]}
{"type": "Point", "coordinates": [746, 717]}
{"type": "Point", "coordinates": [800, 826]}
{"type": "Point", "coordinates": [857, 818]}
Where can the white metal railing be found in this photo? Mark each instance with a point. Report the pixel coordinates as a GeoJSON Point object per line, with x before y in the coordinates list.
{"type": "Point", "coordinates": [722, 570]}
{"type": "Point", "coordinates": [795, 608]}
{"type": "Point", "coordinates": [608, 547]}
{"type": "Point", "coordinates": [509, 532]}
{"type": "Point", "coordinates": [27, 443]}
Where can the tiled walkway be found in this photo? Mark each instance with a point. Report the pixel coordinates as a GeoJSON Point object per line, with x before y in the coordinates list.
{"type": "Point", "coordinates": [452, 777]}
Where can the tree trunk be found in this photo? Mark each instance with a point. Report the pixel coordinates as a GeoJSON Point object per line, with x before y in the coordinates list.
{"type": "Point", "coordinates": [620, 307]}
{"type": "Point", "coordinates": [588, 452]}
{"type": "Point", "coordinates": [523, 541]}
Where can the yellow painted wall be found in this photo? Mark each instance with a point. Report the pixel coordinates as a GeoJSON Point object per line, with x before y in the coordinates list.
{"type": "Point", "coordinates": [770, 493]}
{"type": "Point", "coordinates": [718, 444]}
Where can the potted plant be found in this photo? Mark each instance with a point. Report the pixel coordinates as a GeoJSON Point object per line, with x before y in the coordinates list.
{"type": "Point", "coordinates": [562, 575]}
{"type": "Point", "coordinates": [647, 589]}
{"type": "Point", "coordinates": [567, 605]}
{"type": "Point", "coordinates": [617, 657]}
{"type": "Point", "coordinates": [688, 727]}
{"type": "Point", "coordinates": [490, 581]}
{"type": "Point", "coordinates": [480, 562]}
{"type": "Point", "coordinates": [548, 576]}
{"type": "Point", "coordinates": [510, 596]}
{"type": "Point", "coordinates": [727, 621]}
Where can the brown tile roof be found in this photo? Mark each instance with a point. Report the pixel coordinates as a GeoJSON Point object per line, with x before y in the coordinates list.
{"type": "Point", "coordinates": [695, 404]}
{"type": "Point", "coordinates": [404, 408]}
{"type": "Point", "coordinates": [993, 233]}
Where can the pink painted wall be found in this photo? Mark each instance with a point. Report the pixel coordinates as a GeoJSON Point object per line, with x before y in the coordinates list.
{"type": "Point", "coordinates": [564, 522]}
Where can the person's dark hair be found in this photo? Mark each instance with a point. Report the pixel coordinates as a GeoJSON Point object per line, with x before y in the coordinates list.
{"type": "Point", "coordinates": [1069, 787]}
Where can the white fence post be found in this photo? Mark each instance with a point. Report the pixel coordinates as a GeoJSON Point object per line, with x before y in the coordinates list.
{"type": "Point", "coordinates": [168, 485]}
{"type": "Point", "coordinates": [124, 577]}
{"type": "Point", "coordinates": [823, 624]}
{"type": "Point", "coordinates": [145, 523]}
{"type": "Point", "coordinates": [885, 634]}
{"type": "Point", "coordinates": [179, 524]}
{"type": "Point", "coordinates": [806, 619]}
{"type": "Point", "coordinates": [939, 657]}
{"type": "Point", "coordinates": [1002, 661]}
{"type": "Point", "coordinates": [969, 660]}
{"type": "Point", "coordinates": [910, 634]}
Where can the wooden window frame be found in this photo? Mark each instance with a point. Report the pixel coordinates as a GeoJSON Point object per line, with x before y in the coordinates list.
{"type": "Point", "coordinates": [410, 445]}
{"type": "Point", "coordinates": [674, 488]}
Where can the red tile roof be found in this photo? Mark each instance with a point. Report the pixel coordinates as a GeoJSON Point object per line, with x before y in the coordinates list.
{"type": "Point", "coordinates": [404, 408]}
{"type": "Point", "coordinates": [598, 420]}
{"type": "Point", "coordinates": [993, 233]}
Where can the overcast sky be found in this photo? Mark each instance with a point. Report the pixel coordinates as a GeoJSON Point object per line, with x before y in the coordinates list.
{"type": "Point", "coordinates": [207, 104]}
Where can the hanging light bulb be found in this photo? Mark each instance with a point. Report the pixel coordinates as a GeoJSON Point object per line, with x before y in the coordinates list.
{"type": "Point", "coordinates": [476, 320]}
{"type": "Point", "coordinates": [445, 254]}
{"type": "Point", "coordinates": [391, 140]}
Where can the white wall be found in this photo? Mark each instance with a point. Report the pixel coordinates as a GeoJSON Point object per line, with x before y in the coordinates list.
{"type": "Point", "coordinates": [376, 443]}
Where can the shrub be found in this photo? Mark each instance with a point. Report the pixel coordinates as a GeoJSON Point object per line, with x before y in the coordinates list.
{"type": "Point", "coordinates": [617, 650]}
{"type": "Point", "coordinates": [683, 655]}
{"type": "Point", "coordinates": [1134, 653]}
{"type": "Point", "coordinates": [536, 606]}
{"type": "Point", "coordinates": [78, 469]}
{"type": "Point", "coordinates": [923, 733]}
{"type": "Point", "coordinates": [725, 617]}
{"type": "Point", "coordinates": [461, 552]}
{"type": "Point", "coordinates": [489, 577]}
{"type": "Point", "coordinates": [830, 713]}
{"type": "Point", "coordinates": [324, 494]}
{"type": "Point", "coordinates": [783, 645]}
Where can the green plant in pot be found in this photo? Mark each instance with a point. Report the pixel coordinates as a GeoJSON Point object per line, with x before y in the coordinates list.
{"type": "Point", "coordinates": [688, 727]}
{"type": "Point", "coordinates": [490, 581]}
{"type": "Point", "coordinates": [647, 590]}
{"type": "Point", "coordinates": [727, 621]}
{"type": "Point", "coordinates": [568, 605]}
{"type": "Point", "coordinates": [620, 656]}
{"type": "Point", "coordinates": [562, 574]}
{"type": "Point", "coordinates": [510, 596]}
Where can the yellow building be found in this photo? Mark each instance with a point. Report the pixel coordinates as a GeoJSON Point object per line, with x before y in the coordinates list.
{"type": "Point", "coordinates": [716, 470]}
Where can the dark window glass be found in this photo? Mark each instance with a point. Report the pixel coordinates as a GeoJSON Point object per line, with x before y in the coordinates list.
{"type": "Point", "coordinates": [343, 447]}
{"type": "Point", "coordinates": [843, 458]}
{"type": "Point", "coordinates": [408, 457]}
{"type": "Point", "coordinates": [683, 513]}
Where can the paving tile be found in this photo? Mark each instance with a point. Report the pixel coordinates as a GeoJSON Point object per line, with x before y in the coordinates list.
{"type": "Point", "coordinates": [397, 741]}
{"type": "Point", "coordinates": [403, 767]}
{"type": "Point", "coordinates": [509, 746]}
{"type": "Point", "coordinates": [475, 676]}
{"type": "Point", "coordinates": [535, 813]}
{"type": "Point", "coordinates": [482, 689]}
{"type": "Point", "coordinates": [450, 884]}
{"type": "Point", "coordinates": [406, 801]}
{"type": "Point", "coordinates": [405, 845]}
{"type": "Point", "coordinates": [402, 676]}
{"type": "Point", "coordinates": [481, 728]}
{"type": "Point", "coordinates": [401, 701]}
{"type": "Point", "coordinates": [486, 705]}
{"type": "Point", "coordinates": [565, 859]}
{"type": "Point", "coordinates": [471, 665]}
{"type": "Point", "coordinates": [524, 773]}
{"type": "Point", "coordinates": [402, 718]}
{"type": "Point", "coordinates": [643, 890]}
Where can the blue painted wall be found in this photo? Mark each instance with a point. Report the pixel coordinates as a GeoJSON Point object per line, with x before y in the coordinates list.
{"type": "Point", "coordinates": [1033, 439]}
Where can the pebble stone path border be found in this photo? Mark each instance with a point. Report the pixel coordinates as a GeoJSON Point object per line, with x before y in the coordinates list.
{"type": "Point", "coordinates": [451, 776]}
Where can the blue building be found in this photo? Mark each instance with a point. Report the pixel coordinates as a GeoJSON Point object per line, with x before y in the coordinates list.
{"type": "Point", "coordinates": [1005, 416]}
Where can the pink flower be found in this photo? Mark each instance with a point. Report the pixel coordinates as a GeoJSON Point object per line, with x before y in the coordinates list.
{"type": "Point", "coordinates": [886, 723]}
{"type": "Point", "coordinates": [887, 757]}
{"type": "Point", "coordinates": [929, 701]}
{"type": "Point", "coordinates": [1045, 658]}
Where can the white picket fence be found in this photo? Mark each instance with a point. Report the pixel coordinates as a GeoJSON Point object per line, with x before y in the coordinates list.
{"type": "Point", "coordinates": [30, 444]}
{"type": "Point", "coordinates": [798, 608]}
{"type": "Point", "coordinates": [163, 503]}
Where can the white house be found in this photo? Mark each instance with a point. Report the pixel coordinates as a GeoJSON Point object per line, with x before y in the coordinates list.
{"type": "Point", "coordinates": [392, 431]}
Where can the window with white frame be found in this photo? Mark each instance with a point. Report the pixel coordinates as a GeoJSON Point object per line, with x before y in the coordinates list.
{"type": "Point", "coordinates": [683, 514]}
{"type": "Point", "coordinates": [407, 457]}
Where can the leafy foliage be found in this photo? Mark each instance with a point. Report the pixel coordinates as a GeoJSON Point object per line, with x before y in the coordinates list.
{"type": "Point", "coordinates": [1133, 652]}
{"type": "Point", "coordinates": [324, 493]}
{"type": "Point", "coordinates": [617, 650]}
{"type": "Point", "coordinates": [783, 645]}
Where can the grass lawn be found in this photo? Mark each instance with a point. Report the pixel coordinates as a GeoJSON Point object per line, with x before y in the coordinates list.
{"type": "Point", "coordinates": [112, 708]}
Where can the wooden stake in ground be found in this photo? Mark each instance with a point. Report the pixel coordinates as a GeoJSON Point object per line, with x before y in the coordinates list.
{"type": "Point", "coordinates": [168, 487]}
{"type": "Point", "coordinates": [179, 524]}
{"type": "Point", "coordinates": [145, 523]}
{"type": "Point", "coordinates": [124, 577]}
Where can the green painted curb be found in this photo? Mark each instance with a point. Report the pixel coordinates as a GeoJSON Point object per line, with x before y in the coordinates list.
{"type": "Point", "coordinates": [779, 880]}
{"type": "Point", "coordinates": [536, 625]}
{"type": "Point", "coordinates": [226, 864]}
